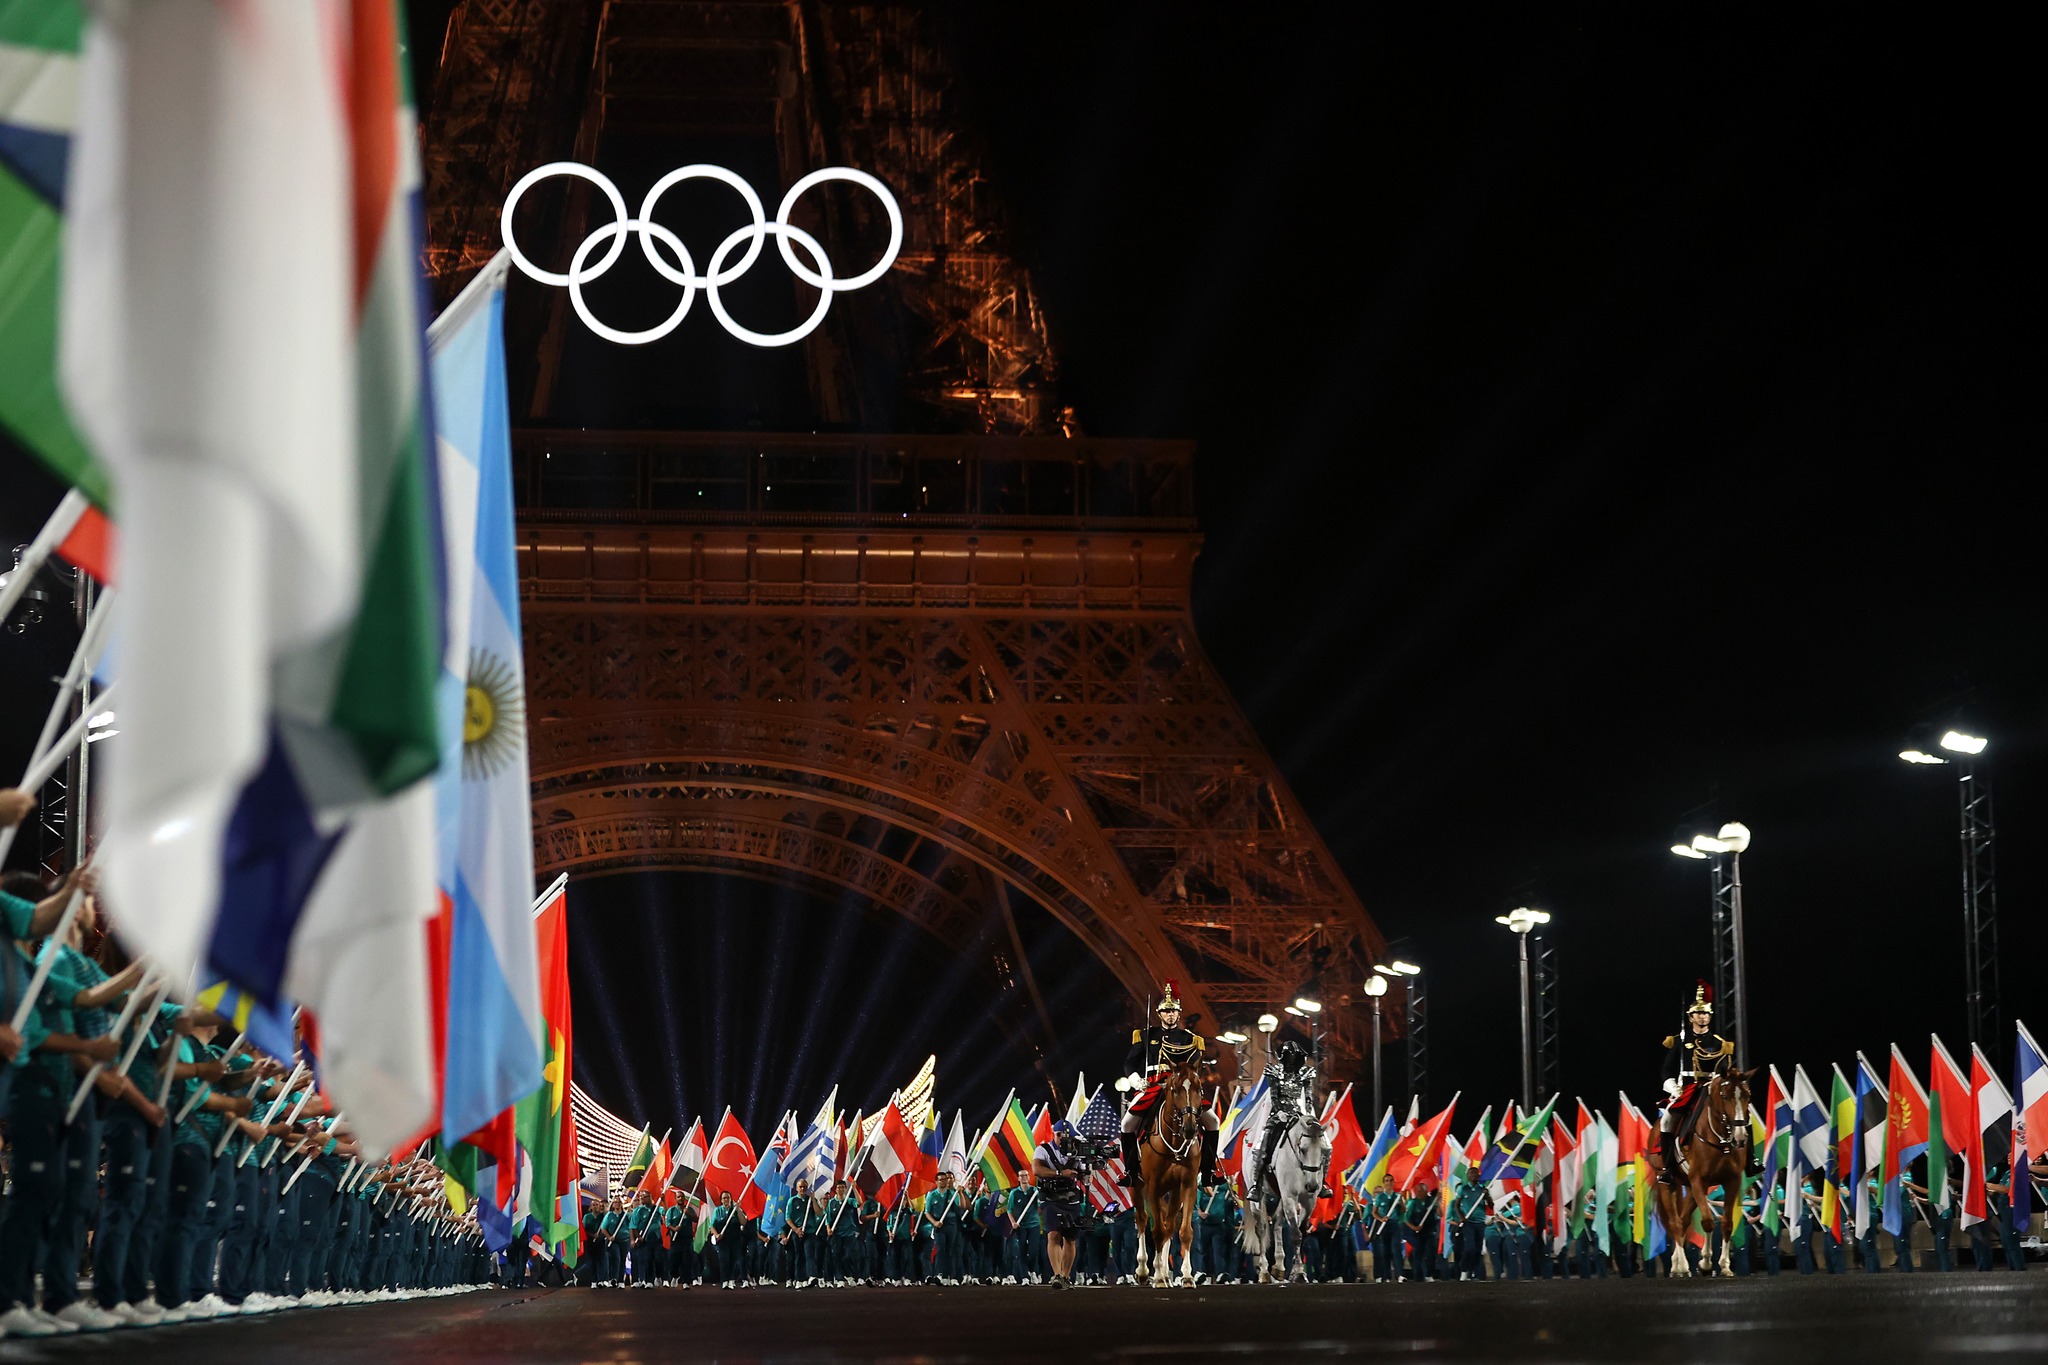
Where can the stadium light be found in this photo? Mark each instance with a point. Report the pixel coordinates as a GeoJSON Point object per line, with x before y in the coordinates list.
{"type": "Point", "coordinates": [1308, 1004]}
{"type": "Point", "coordinates": [1268, 1022]}
{"type": "Point", "coordinates": [1956, 742]}
{"type": "Point", "coordinates": [1917, 756]}
{"type": "Point", "coordinates": [1375, 986]}
{"type": "Point", "coordinates": [1687, 851]}
{"type": "Point", "coordinates": [1231, 1036]}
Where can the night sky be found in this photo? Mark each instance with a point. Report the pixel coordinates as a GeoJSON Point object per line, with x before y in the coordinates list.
{"type": "Point", "coordinates": [1608, 425]}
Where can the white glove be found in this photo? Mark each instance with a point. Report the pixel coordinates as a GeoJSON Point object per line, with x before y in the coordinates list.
{"type": "Point", "coordinates": [1671, 1087]}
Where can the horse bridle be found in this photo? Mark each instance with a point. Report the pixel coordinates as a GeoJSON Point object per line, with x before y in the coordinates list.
{"type": "Point", "coordinates": [1295, 1119]}
{"type": "Point", "coordinates": [1708, 1120]}
{"type": "Point", "coordinates": [1184, 1118]}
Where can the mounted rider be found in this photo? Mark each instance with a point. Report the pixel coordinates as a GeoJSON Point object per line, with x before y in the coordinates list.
{"type": "Point", "coordinates": [1291, 1082]}
{"type": "Point", "coordinates": [1691, 1055]}
{"type": "Point", "coordinates": [1154, 1052]}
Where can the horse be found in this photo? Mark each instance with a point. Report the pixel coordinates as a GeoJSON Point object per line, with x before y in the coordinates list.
{"type": "Point", "coordinates": [1169, 1170]}
{"type": "Point", "coordinates": [1294, 1169]}
{"type": "Point", "coordinates": [1715, 1147]}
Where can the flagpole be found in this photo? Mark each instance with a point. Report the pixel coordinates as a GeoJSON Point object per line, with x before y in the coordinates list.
{"type": "Point", "coordinates": [55, 529]}
{"type": "Point", "coordinates": [307, 1162]}
{"type": "Point", "coordinates": [202, 1092]}
{"type": "Point", "coordinates": [278, 1142]}
{"type": "Point", "coordinates": [128, 1012]}
{"type": "Point", "coordinates": [269, 1117]}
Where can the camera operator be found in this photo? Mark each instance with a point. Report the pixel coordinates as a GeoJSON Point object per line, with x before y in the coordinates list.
{"type": "Point", "coordinates": [1057, 1167]}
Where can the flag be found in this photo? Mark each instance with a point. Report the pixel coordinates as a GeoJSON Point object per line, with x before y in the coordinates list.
{"type": "Point", "coordinates": [1099, 1123]}
{"type": "Point", "coordinates": [1838, 1200]}
{"type": "Point", "coordinates": [1872, 1107]}
{"type": "Point", "coordinates": [39, 72]}
{"type": "Point", "coordinates": [1604, 1182]}
{"type": "Point", "coordinates": [241, 340]}
{"type": "Point", "coordinates": [1777, 1149]}
{"type": "Point", "coordinates": [1949, 1115]}
{"type": "Point", "coordinates": [1586, 1155]}
{"type": "Point", "coordinates": [814, 1156]}
{"type": "Point", "coordinates": [660, 1170]}
{"type": "Point", "coordinates": [1564, 1182]}
{"type": "Point", "coordinates": [1906, 1135]}
{"type": "Point", "coordinates": [1041, 1133]}
{"type": "Point", "coordinates": [1079, 1104]}
{"type": "Point", "coordinates": [930, 1147]}
{"type": "Point", "coordinates": [545, 1121]}
{"type": "Point", "coordinates": [2030, 1101]}
{"type": "Point", "coordinates": [767, 1178]}
{"type": "Point", "coordinates": [269, 1029]}
{"type": "Point", "coordinates": [1990, 1107]}
{"type": "Point", "coordinates": [1514, 1149]}
{"type": "Point", "coordinates": [1013, 1139]}
{"type": "Point", "coordinates": [1415, 1153]}
{"type": "Point", "coordinates": [892, 1152]}
{"type": "Point", "coordinates": [1809, 1151]}
{"type": "Point", "coordinates": [2029, 1122]}
{"type": "Point", "coordinates": [1368, 1175]}
{"type": "Point", "coordinates": [1247, 1114]}
{"type": "Point", "coordinates": [690, 1151]}
{"type": "Point", "coordinates": [729, 1167]}
{"type": "Point", "coordinates": [953, 1157]}
{"type": "Point", "coordinates": [483, 805]}
{"type": "Point", "coordinates": [1348, 1143]}
{"type": "Point", "coordinates": [643, 1157]}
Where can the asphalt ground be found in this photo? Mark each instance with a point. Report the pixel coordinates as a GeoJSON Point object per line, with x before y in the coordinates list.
{"type": "Point", "coordinates": [1862, 1318]}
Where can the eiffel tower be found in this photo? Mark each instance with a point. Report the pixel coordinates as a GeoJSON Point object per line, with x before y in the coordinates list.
{"type": "Point", "coordinates": [933, 649]}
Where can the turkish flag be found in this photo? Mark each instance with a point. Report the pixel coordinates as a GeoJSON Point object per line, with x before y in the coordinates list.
{"type": "Point", "coordinates": [729, 1168]}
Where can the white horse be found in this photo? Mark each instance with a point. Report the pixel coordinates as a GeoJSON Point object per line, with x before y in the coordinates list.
{"type": "Point", "coordinates": [1293, 1171]}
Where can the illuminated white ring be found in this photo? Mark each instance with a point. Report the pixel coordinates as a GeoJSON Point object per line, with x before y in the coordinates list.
{"type": "Point", "coordinates": [577, 275]}
{"type": "Point", "coordinates": [825, 291]}
{"type": "Point", "coordinates": [527, 182]}
{"type": "Point", "coordinates": [703, 171]}
{"type": "Point", "coordinates": [866, 182]}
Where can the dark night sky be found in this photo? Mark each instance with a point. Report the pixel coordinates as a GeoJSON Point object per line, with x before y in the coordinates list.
{"type": "Point", "coordinates": [1605, 422]}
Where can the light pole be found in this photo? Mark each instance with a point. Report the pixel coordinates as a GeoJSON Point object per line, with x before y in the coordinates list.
{"type": "Point", "coordinates": [1521, 920]}
{"type": "Point", "coordinates": [1409, 975]}
{"type": "Point", "coordinates": [1731, 957]}
{"type": "Point", "coordinates": [1980, 882]}
{"type": "Point", "coordinates": [1376, 986]}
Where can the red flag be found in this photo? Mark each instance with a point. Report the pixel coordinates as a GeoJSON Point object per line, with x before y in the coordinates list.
{"type": "Point", "coordinates": [1348, 1143]}
{"type": "Point", "coordinates": [90, 544]}
{"type": "Point", "coordinates": [1952, 1097]}
{"type": "Point", "coordinates": [1989, 1106]}
{"type": "Point", "coordinates": [1041, 1130]}
{"type": "Point", "coordinates": [1417, 1152]}
{"type": "Point", "coordinates": [892, 1153]}
{"type": "Point", "coordinates": [656, 1178]}
{"type": "Point", "coordinates": [729, 1168]}
{"type": "Point", "coordinates": [1905, 1119]}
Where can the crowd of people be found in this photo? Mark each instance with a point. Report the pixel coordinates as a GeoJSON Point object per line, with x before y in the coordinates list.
{"type": "Point", "coordinates": [177, 1168]}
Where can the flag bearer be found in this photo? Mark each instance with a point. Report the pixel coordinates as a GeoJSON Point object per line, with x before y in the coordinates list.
{"type": "Point", "coordinates": [641, 1238]}
{"type": "Point", "coordinates": [1215, 1252]}
{"type": "Point", "coordinates": [681, 1261]}
{"type": "Point", "coordinates": [841, 1232]}
{"type": "Point", "coordinates": [190, 1171]}
{"type": "Point", "coordinates": [899, 1244]}
{"type": "Point", "coordinates": [1998, 1204]}
{"type": "Point", "coordinates": [724, 1242]}
{"type": "Point", "coordinates": [943, 1216]}
{"type": "Point", "coordinates": [871, 1215]}
{"type": "Point", "coordinates": [41, 1088]}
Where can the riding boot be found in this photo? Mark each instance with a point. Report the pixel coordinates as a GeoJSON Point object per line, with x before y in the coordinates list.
{"type": "Point", "coordinates": [1208, 1157]}
{"type": "Point", "coordinates": [1131, 1162]}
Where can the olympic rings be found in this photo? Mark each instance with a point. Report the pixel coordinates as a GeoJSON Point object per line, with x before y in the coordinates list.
{"type": "Point", "coordinates": [789, 240]}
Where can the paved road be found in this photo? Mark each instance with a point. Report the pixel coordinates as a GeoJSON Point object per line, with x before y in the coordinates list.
{"type": "Point", "coordinates": [1960, 1317]}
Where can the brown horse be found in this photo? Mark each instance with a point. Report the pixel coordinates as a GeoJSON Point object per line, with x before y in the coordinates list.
{"type": "Point", "coordinates": [1716, 1152]}
{"type": "Point", "coordinates": [1170, 1169]}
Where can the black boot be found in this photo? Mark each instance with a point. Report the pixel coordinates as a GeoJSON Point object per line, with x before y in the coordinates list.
{"type": "Point", "coordinates": [1208, 1156]}
{"type": "Point", "coordinates": [1131, 1162]}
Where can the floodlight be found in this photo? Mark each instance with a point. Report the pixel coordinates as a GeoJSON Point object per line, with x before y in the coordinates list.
{"type": "Point", "coordinates": [1687, 851]}
{"type": "Point", "coordinates": [1231, 1036]}
{"type": "Point", "coordinates": [1406, 968]}
{"type": "Point", "coordinates": [1955, 741]}
{"type": "Point", "coordinates": [1308, 1004]}
{"type": "Point", "coordinates": [1707, 843]}
{"type": "Point", "coordinates": [1916, 756]}
{"type": "Point", "coordinates": [1375, 986]}
{"type": "Point", "coordinates": [1268, 1022]}
{"type": "Point", "coordinates": [1736, 836]}
{"type": "Point", "coordinates": [1293, 1011]}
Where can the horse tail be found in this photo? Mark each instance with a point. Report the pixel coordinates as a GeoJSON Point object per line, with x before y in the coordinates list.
{"type": "Point", "coordinates": [1251, 1234]}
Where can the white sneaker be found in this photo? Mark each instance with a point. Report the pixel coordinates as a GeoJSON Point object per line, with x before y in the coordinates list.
{"type": "Point", "coordinates": [20, 1321]}
{"type": "Point", "coordinates": [53, 1320]}
{"type": "Point", "coordinates": [149, 1310]}
{"type": "Point", "coordinates": [215, 1305]}
{"type": "Point", "coordinates": [192, 1310]}
{"type": "Point", "coordinates": [88, 1316]}
{"type": "Point", "coordinates": [179, 1314]}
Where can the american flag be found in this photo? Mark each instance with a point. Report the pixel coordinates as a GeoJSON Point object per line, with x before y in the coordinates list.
{"type": "Point", "coordinates": [1100, 1122]}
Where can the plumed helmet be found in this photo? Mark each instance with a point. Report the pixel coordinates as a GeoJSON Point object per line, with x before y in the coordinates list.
{"type": "Point", "coordinates": [1702, 1000]}
{"type": "Point", "coordinates": [1169, 998]}
{"type": "Point", "coordinates": [1291, 1053]}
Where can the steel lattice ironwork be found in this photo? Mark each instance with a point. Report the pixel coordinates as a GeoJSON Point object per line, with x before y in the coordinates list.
{"type": "Point", "coordinates": [942, 673]}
